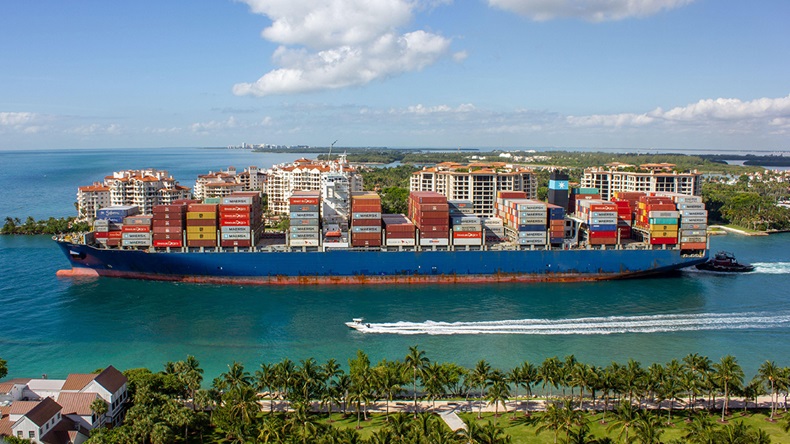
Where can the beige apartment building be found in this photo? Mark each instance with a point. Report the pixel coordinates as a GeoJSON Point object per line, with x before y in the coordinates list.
{"type": "Point", "coordinates": [478, 182]}
{"type": "Point", "coordinates": [143, 188]}
{"type": "Point", "coordinates": [610, 180]}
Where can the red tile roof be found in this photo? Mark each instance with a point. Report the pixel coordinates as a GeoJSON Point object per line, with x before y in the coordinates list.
{"type": "Point", "coordinates": [5, 427]}
{"type": "Point", "coordinates": [77, 403]}
{"type": "Point", "coordinates": [43, 412]}
{"type": "Point", "coordinates": [22, 407]}
{"type": "Point", "coordinates": [78, 381]}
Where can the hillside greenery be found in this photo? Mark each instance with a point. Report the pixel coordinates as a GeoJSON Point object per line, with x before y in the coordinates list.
{"type": "Point", "coordinates": [50, 226]}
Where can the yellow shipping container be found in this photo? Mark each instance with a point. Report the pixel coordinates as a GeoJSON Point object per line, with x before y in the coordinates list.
{"type": "Point", "coordinates": [201, 215]}
{"type": "Point", "coordinates": [201, 229]}
{"type": "Point", "coordinates": [663, 233]}
{"type": "Point", "coordinates": [656, 227]}
{"type": "Point", "coordinates": [202, 236]}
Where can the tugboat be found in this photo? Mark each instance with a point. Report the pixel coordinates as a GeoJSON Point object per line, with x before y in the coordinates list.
{"type": "Point", "coordinates": [725, 262]}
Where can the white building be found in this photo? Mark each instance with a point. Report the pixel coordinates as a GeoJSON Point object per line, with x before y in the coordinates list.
{"type": "Point", "coordinates": [143, 188]}
{"type": "Point", "coordinates": [59, 410]}
{"type": "Point", "coordinates": [478, 182]}
{"type": "Point", "coordinates": [611, 180]}
{"type": "Point", "coordinates": [223, 183]}
{"type": "Point", "coordinates": [306, 175]}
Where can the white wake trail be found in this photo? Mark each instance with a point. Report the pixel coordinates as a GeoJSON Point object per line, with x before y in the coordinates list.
{"type": "Point", "coordinates": [591, 325]}
{"type": "Point", "coordinates": [772, 267]}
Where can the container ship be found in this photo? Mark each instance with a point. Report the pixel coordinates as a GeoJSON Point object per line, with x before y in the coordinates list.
{"type": "Point", "coordinates": [573, 237]}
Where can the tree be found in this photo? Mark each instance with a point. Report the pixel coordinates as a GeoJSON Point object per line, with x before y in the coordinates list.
{"type": "Point", "coordinates": [190, 374]}
{"type": "Point", "coordinates": [549, 373]}
{"type": "Point", "coordinates": [415, 361]}
{"type": "Point", "coordinates": [235, 377]}
{"type": "Point", "coordinates": [480, 376]}
{"type": "Point", "coordinates": [695, 366]}
{"type": "Point", "coordinates": [625, 415]}
{"type": "Point", "coordinates": [266, 379]}
{"type": "Point", "coordinates": [99, 408]}
{"type": "Point", "coordinates": [769, 374]}
{"type": "Point", "coordinates": [647, 427]}
{"type": "Point", "coordinates": [434, 381]}
{"type": "Point", "coordinates": [498, 391]}
{"type": "Point", "coordinates": [388, 379]}
{"type": "Point", "coordinates": [728, 373]}
{"type": "Point", "coordinates": [3, 368]}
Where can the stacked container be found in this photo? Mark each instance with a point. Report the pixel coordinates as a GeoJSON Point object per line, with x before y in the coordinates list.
{"type": "Point", "coordinates": [398, 230]}
{"type": "Point", "coordinates": [556, 223]}
{"type": "Point", "coordinates": [693, 223]}
{"type": "Point", "coordinates": [467, 228]}
{"type": "Point", "coordinates": [168, 224]}
{"type": "Point", "coordinates": [601, 219]}
{"type": "Point", "coordinates": [431, 214]}
{"type": "Point", "coordinates": [109, 223]}
{"type": "Point", "coordinates": [494, 230]}
{"type": "Point", "coordinates": [659, 216]}
{"type": "Point", "coordinates": [625, 217]}
{"type": "Point", "coordinates": [304, 210]}
{"type": "Point", "coordinates": [136, 231]}
{"type": "Point", "coordinates": [201, 224]}
{"type": "Point", "coordinates": [527, 221]}
{"type": "Point", "coordinates": [499, 206]}
{"type": "Point", "coordinates": [578, 194]}
{"type": "Point", "coordinates": [365, 219]}
{"type": "Point", "coordinates": [240, 219]}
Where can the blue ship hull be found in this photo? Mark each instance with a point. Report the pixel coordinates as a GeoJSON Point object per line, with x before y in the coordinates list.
{"type": "Point", "coordinates": [372, 267]}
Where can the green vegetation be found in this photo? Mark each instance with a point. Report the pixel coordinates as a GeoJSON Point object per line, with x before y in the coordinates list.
{"type": "Point", "coordinates": [693, 400]}
{"type": "Point", "coordinates": [49, 226]}
{"type": "Point", "coordinates": [747, 204]}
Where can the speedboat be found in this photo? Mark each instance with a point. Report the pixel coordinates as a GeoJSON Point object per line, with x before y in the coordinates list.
{"type": "Point", "coordinates": [358, 324]}
{"type": "Point", "coordinates": [725, 262]}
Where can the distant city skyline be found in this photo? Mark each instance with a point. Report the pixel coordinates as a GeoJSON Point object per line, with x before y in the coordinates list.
{"type": "Point", "coordinates": [643, 74]}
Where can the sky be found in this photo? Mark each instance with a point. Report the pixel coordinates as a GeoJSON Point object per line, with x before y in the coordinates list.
{"type": "Point", "coordinates": [645, 74]}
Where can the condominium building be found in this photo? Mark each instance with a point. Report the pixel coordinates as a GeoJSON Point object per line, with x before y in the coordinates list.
{"type": "Point", "coordinates": [223, 183]}
{"type": "Point", "coordinates": [143, 188]}
{"type": "Point", "coordinates": [478, 182]}
{"type": "Point", "coordinates": [306, 175]}
{"type": "Point", "coordinates": [611, 180]}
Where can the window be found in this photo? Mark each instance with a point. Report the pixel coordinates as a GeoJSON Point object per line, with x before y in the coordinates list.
{"type": "Point", "coordinates": [31, 434]}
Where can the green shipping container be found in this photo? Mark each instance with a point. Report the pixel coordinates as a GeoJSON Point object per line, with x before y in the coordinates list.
{"type": "Point", "coordinates": [211, 200]}
{"type": "Point", "coordinates": [662, 221]}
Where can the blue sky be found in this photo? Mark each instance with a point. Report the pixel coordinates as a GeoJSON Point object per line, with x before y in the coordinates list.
{"type": "Point", "coordinates": [660, 74]}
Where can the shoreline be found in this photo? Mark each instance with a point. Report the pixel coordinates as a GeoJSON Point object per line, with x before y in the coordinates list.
{"type": "Point", "coordinates": [728, 230]}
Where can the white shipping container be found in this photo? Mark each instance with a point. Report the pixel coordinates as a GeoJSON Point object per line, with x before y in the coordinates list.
{"type": "Point", "coordinates": [532, 234]}
{"type": "Point", "coordinates": [603, 221]}
{"type": "Point", "coordinates": [237, 229]}
{"type": "Point", "coordinates": [467, 227]}
{"type": "Point", "coordinates": [531, 221]}
{"type": "Point", "coordinates": [400, 242]}
{"type": "Point", "coordinates": [531, 214]}
{"type": "Point", "coordinates": [366, 215]}
{"type": "Point", "coordinates": [531, 241]}
{"type": "Point", "coordinates": [693, 213]}
{"type": "Point", "coordinates": [690, 239]}
{"type": "Point", "coordinates": [335, 244]}
{"type": "Point", "coordinates": [694, 220]}
{"type": "Point", "coordinates": [304, 229]}
{"type": "Point", "coordinates": [136, 242]}
{"type": "Point", "coordinates": [366, 229]}
{"type": "Point", "coordinates": [688, 199]}
{"type": "Point", "coordinates": [691, 206]}
{"type": "Point", "coordinates": [304, 236]}
{"type": "Point", "coordinates": [686, 233]}
{"type": "Point", "coordinates": [437, 242]}
{"type": "Point", "coordinates": [492, 221]}
{"type": "Point", "coordinates": [465, 220]}
{"type": "Point", "coordinates": [304, 243]}
{"type": "Point", "coordinates": [304, 215]}
{"type": "Point", "coordinates": [667, 214]}
{"type": "Point", "coordinates": [477, 241]}
{"type": "Point", "coordinates": [235, 236]}
{"type": "Point", "coordinates": [140, 236]}
{"type": "Point", "coordinates": [236, 200]}
{"type": "Point", "coordinates": [603, 214]}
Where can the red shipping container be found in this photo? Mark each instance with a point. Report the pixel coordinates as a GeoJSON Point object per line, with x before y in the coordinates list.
{"type": "Point", "coordinates": [114, 234]}
{"type": "Point", "coordinates": [400, 228]}
{"type": "Point", "coordinates": [603, 241]}
{"type": "Point", "coordinates": [422, 221]}
{"type": "Point", "coordinates": [603, 207]}
{"type": "Point", "coordinates": [663, 240]}
{"type": "Point", "coordinates": [136, 229]}
{"type": "Point", "coordinates": [234, 223]}
{"type": "Point", "coordinates": [164, 209]}
{"type": "Point", "coordinates": [366, 243]}
{"type": "Point", "coordinates": [170, 216]}
{"type": "Point", "coordinates": [303, 200]}
{"type": "Point", "coordinates": [168, 230]}
{"type": "Point", "coordinates": [237, 215]}
{"type": "Point", "coordinates": [365, 236]}
{"type": "Point", "coordinates": [201, 222]}
{"type": "Point", "coordinates": [437, 227]}
{"type": "Point", "coordinates": [168, 236]}
{"type": "Point", "coordinates": [661, 207]}
{"type": "Point", "coordinates": [365, 208]}
{"type": "Point", "coordinates": [101, 234]}
{"type": "Point", "coordinates": [235, 209]}
{"type": "Point", "coordinates": [167, 243]}
{"type": "Point", "coordinates": [603, 234]}
{"type": "Point", "coordinates": [467, 235]}
{"type": "Point", "coordinates": [435, 234]}
{"type": "Point", "coordinates": [366, 222]}
{"type": "Point", "coordinates": [444, 208]}
{"type": "Point", "coordinates": [202, 243]}
{"type": "Point", "coordinates": [512, 195]}
{"type": "Point", "coordinates": [400, 235]}
{"type": "Point", "coordinates": [427, 197]}
{"type": "Point", "coordinates": [202, 208]}
{"type": "Point", "coordinates": [113, 242]}
{"type": "Point", "coordinates": [168, 223]}
{"type": "Point", "coordinates": [185, 201]}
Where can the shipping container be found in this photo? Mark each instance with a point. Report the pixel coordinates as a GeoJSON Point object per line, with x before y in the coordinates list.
{"type": "Point", "coordinates": [235, 229]}
{"type": "Point", "coordinates": [228, 243]}
{"type": "Point", "coordinates": [304, 222]}
{"type": "Point", "coordinates": [304, 243]}
{"type": "Point", "coordinates": [136, 228]}
{"type": "Point", "coordinates": [175, 243]}
{"type": "Point", "coordinates": [138, 236]}
{"type": "Point", "coordinates": [136, 242]}
{"type": "Point", "coordinates": [304, 229]}
{"type": "Point", "coordinates": [238, 200]}
{"type": "Point", "coordinates": [694, 246]}
{"type": "Point", "coordinates": [201, 243]}
{"type": "Point", "coordinates": [235, 236]}
{"type": "Point", "coordinates": [402, 242]}
{"type": "Point", "coordinates": [168, 236]}
{"type": "Point", "coordinates": [425, 242]}
{"type": "Point", "coordinates": [202, 236]}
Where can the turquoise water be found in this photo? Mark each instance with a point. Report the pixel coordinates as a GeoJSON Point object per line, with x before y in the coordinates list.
{"type": "Point", "coordinates": [57, 326]}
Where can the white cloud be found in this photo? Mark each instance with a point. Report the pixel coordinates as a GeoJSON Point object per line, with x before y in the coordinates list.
{"type": "Point", "coordinates": [341, 43]}
{"type": "Point", "coordinates": [96, 129]}
{"type": "Point", "coordinates": [590, 10]}
{"type": "Point", "coordinates": [420, 109]}
{"type": "Point", "coordinates": [10, 119]}
{"type": "Point", "coordinates": [764, 111]}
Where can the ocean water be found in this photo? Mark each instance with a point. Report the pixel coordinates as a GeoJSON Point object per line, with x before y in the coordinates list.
{"type": "Point", "coordinates": [57, 326]}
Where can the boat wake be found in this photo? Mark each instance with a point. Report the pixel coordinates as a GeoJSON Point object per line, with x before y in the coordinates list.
{"type": "Point", "coordinates": [591, 325]}
{"type": "Point", "coordinates": [772, 267]}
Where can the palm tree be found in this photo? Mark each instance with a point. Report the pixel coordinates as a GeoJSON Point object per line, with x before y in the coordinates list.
{"type": "Point", "coordinates": [498, 392]}
{"type": "Point", "coordinates": [387, 377]}
{"type": "Point", "coordinates": [284, 371]}
{"type": "Point", "coordinates": [696, 366]}
{"type": "Point", "coordinates": [700, 430]}
{"type": "Point", "coordinates": [416, 361]}
{"type": "Point", "coordinates": [648, 427]}
{"type": "Point", "coordinates": [632, 374]}
{"type": "Point", "coordinates": [670, 385]}
{"type": "Point", "coordinates": [434, 381]}
{"type": "Point", "coordinates": [728, 373]}
{"type": "Point", "coordinates": [554, 418]}
{"type": "Point", "coordinates": [769, 373]}
{"type": "Point", "coordinates": [581, 375]}
{"type": "Point", "coordinates": [236, 376]}
{"type": "Point", "coordinates": [516, 377]}
{"type": "Point", "coordinates": [625, 415]}
{"type": "Point", "coordinates": [549, 373]}
{"type": "Point", "coordinates": [266, 379]}
{"type": "Point", "coordinates": [308, 377]}
{"type": "Point", "coordinates": [99, 408]}
{"type": "Point", "coordinates": [358, 396]}
{"type": "Point", "coordinates": [480, 376]}
{"type": "Point", "coordinates": [343, 387]}
{"type": "Point", "coordinates": [491, 434]}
